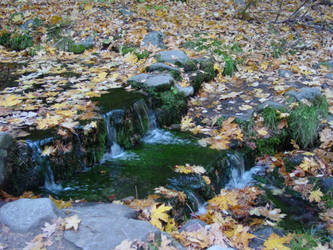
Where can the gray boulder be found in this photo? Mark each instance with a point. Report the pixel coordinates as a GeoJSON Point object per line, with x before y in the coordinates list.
{"type": "Point", "coordinates": [186, 91]}
{"type": "Point", "coordinates": [326, 184]}
{"type": "Point", "coordinates": [104, 226]}
{"type": "Point", "coordinates": [24, 215]}
{"type": "Point", "coordinates": [154, 38]}
{"type": "Point", "coordinates": [177, 57]}
{"type": "Point", "coordinates": [6, 143]}
{"type": "Point", "coordinates": [285, 73]}
{"type": "Point", "coordinates": [161, 67]}
{"type": "Point", "coordinates": [262, 234]}
{"type": "Point", "coordinates": [88, 42]}
{"type": "Point", "coordinates": [311, 94]}
{"type": "Point", "coordinates": [162, 81]}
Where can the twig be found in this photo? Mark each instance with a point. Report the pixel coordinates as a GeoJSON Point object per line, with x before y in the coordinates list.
{"type": "Point", "coordinates": [295, 12]}
{"type": "Point", "coordinates": [279, 12]}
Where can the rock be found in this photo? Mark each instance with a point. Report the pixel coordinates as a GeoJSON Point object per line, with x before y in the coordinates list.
{"type": "Point", "coordinates": [24, 215]}
{"type": "Point", "coordinates": [163, 67]}
{"type": "Point", "coordinates": [186, 91]}
{"type": "Point", "coordinates": [6, 142]}
{"type": "Point", "coordinates": [262, 234]}
{"type": "Point", "coordinates": [329, 76]}
{"type": "Point", "coordinates": [192, 225]}
{"type": "Point", "coordinates": [88, 42]}
{"type": "Point", "coordinates": [126, 12]}
{"type": "Point", "coordinates": [311, 94]}
{"type": "Point", "coordinates": [271, 104]}
{"type": "Point", "coordinates": [159, 82]}
{"type": "Point", "coordinates": [240, 2]}
{"type": "Point", "coordinates": [154, 38]}
{"type": "Point", "coordinates": [326, 184]}
{"type": "Point", "coordinates": [177, 57]}
{"type": "Point", "coordinates": [217, 247]}
{"type": "Point", "coordinates": [285, 73]}
{"type": "Point", "coordinates": [328, 64]}
{"type": "Point", "coordinates": [104, 226]}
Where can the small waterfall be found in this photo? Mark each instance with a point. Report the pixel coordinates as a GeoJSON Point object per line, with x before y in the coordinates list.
{"type": "Point", "coordinates": [115, 151]}
{"type": "Point", "coordinates": [148, 123]}
{"type": "Point", "coordinates": [43, 163]}
{"type": "Point", "coordinates": [239, 178]}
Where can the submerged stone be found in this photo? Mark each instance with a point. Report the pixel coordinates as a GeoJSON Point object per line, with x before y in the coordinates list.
{"type": "Point", "coordinates": [162, 81]}
{"type": "Point", "coordinates": [177, 57]}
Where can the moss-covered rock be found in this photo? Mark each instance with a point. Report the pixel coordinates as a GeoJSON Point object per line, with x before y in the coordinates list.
{"type": "Point", "coordinates": [171, 107]}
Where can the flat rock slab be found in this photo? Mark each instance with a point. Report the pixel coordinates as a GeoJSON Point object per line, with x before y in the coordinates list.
{"type": "Point", "coordinates": [161, 81]}
{"type": "Point", "coordinates": [104, 226]}
{"type": "Point", "coordinates": [173, 56]}
{"type": "Point", "coordinates": [25, 215]}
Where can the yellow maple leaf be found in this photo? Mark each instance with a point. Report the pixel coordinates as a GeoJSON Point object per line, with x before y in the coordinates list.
{"type": "Point", "coordinates": [60, 203]}
{"type": "Point", "coordinates": [100, 77]}
{"type": "Point", "coordinates": [48, 150]}
{"type": "Point", "coordinates": [159, 214]}
{"type": "Point", "coordinates": [9, 100]}
{"type": "Point", "coordinates": [223, 201]}
{"type": "Point", "coordinates": [315, 196]}
{"type": "Point", "coordinates": [186, 123]}
{"type": "Point", "coordinates": [131, 58]}
{"type": "Point", "coordinates": [72, 222]}
{"type": "Point", "coordinates": [275, 242]}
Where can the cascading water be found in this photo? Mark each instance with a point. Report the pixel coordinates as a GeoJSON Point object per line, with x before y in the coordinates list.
{"type": "Point", "coordinates": [114, 150]}
{"type": "Point", "coordinates": [43, 163]}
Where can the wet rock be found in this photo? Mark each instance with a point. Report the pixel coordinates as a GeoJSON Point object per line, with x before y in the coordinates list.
{"type": "Point", "coordinates": [104, 226]}
{"type": "Point", "coordinates": [158, 82]}
{"type": "Point", "coordinates": [285, 73]}
{"type": "Point", "coordinates": [177, 57]}
{"type": "Point", "coordinates": [161, 67]}
{"type": "Point", "coordinates": [311, 94]}
{"type": "Point", "coordinates": [262, 234]}
{"type": "Point", "coordinates": [154, 38]}
{"type": "Point", "coordinates": [326, 184]}
{"type": "Point", "coordinates": [186, 91]}
{"type": "Point", "coordinates": [25, 215]}
{"type": "Point", "coordinates": [192, 225]}
{"type": "Point", "coordinates": [6, 143]}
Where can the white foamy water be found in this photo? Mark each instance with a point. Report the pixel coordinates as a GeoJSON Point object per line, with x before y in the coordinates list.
{"type": "Point", "coordinates": [161, 136]}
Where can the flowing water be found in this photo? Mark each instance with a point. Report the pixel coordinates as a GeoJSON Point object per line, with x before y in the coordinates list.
{"type": "Point", "coordinates": [137, 171]}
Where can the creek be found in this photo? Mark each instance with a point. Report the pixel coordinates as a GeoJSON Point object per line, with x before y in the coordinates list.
{"type": "Point", "coordinates": [139, 158]}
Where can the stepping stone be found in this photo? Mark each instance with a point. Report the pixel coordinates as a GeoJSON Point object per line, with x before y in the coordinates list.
{"type": "Point", "coordinates": [311, 94]}
{"type": "Point", "coordinates": [154, 38]}
{"type": "Point", "coordinates": [24, 215]}
{"type": "Point", "coordinates": [186, 91]}
{"type": "Point", "coordinates": [160, 82]}
{"type": "Point", "coordinates": [164, 67]}
{"type": "Point", "coordinates": [285, 73]}
{"type": "Point", "coordinates": [104, 226]}
{"type": "Point", "coordinates": [177, 57]}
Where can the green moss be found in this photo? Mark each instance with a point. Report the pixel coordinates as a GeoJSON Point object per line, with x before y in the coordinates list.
{"type": "Point", "coordinates": [173, 106]}
{"type": "Point", "coordinates": [272, 145]}
{"type": "Point", "coordinates": [77, 48]}
{"type": "Point", "coordinates": [16, 41]}
{"type": "Point", "coordinates": [229, 67]}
